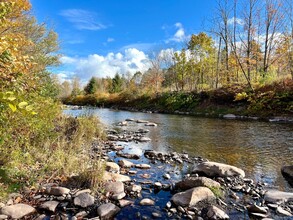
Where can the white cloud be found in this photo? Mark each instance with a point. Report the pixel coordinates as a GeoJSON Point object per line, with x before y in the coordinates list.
{"type": "Point", "coordinates": [179, 35]}
{"type": "Point", "coordinates": [131, 60]}
{"type": "Point", "coordinates": [238, 21]}
{"type": "Point", "coordinates": [82, 19]}
{"type": "Point", "coordinates": [110, 40]}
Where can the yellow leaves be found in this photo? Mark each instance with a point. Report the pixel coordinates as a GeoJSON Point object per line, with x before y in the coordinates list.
{"type": "Point", "coordinates": [241, 96]}
{"type": "Point", "coordinates": [12, 107]}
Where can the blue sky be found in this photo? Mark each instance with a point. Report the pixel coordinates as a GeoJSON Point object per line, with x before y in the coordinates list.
{"type": "Point", "coordinates": [100, 38]}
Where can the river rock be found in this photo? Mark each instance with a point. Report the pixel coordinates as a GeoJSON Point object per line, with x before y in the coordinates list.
{"type": "Point", "coordinates": [144, 139]}
{"type": "Point", "coordinates": [112, 167]}
{"type": "Point", "coordinates": [167, 176]}
{"type": "Point", "coordinates": [143, 166]}
{"type": "Point", "coordinates": [229, 116]}
{"type": "Point", "coordinates": [151, 124]}
{"type": "Point", "coordinates": [193, 196]}
{"type": "Point", "coordinates": [192, 182]}
{"type": "Point", "coordinates": [142, 121]}
{"type": "Point", "coordinates": [114, 187]}
{"type": "Point", "coordinates": [215, 213]}
{"type": "Point", "coordinates": [287, 172]}
{"type": "Point", "coordinates": [128, 156]}
{"type": "Point", "coordinates": [147, 202]}
{"type": "Point", "coordinates": [134, 188]}
{"type": "Point", "coordinates": [125, 163]}
{"type": "Point", "coordinates": [18, 211]}
{"type": "Point", "coordinates": [49, 205]}
{"type": "Point", "coordinates": [112, 137]}
{"type": "Point", "coordinates": [115, 177]}
{"type": "Point", "coordinates": [57, 191]}
{"type": "Point", "coordinates": [82, 191]}
{"type": "Point", "coordinates": [257, 209]}
{"type": "Point", "coordinates": [284, 212]}
{"type": "Point", "coordinates": [213, 169]}
{"type": "Point", "coordinates": [108, 211]}
{"type": "Point", "coordinates": [84, 200]}
{"type": "Point", "coordinates": [142, 131]}
{"type": "Point", "coordinates": [275, 196]}
{"type": "Point", "coordinates": [124, 202]}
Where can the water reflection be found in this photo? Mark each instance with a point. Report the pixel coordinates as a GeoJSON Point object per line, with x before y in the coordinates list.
{"type": "Point", "coordinates": [260, 148]}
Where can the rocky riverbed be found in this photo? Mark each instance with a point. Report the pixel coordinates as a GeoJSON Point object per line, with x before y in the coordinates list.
{"type": "Point", "coordinates": [153, 185]}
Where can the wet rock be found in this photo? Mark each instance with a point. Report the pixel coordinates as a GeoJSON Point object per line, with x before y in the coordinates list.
{"type": "Point", "coordinates": [257, 209]}
{"type": "Point", "coordinates": [18, 211]}
{"type": "Point", "coordinates": [275, 196]}
{"type": "Point", "coordinates": [229, 116]}
{"type": "Point", "coordinates": [259, 215]}
{"type": "Point", "coordinates": [142, 121]}
{"type": "Point", "coordinates": [128, 156]}
{"type": "Point", "coordinates": [193, 196]}
{"type": "Point", "coordinates": [115, 189]}
{"type": "Point", "coordinates": [142, 131]}
{"type": "Point", "coordinates": [118, 196]}
{"type": "Point", "coordinates": [112, 167]}
{"type": "Point", "coordinates": [57, 191]}
{"type": "Point", "coordinates": [156, 215]}
{"type": "Point", "coordinates": [124, 202]}
{"type": "Point", "coordinates": [125, 163]}
{"type": "Point", "coordinates": [167, 176]}
{"type": "Point", "coordinates": [49, 206]}
{"type": "Point", "coordinates": [132, 172]}
{"type": "Point", "coordinates": [81, 215]}
{"type": "Point", "coordinates": [283, 212]}
{"type": "Point", "coordinates": [157, 185]}
{"type": "Point", "coordinates": [112, 137]}
{"type": "Point", "coordinates": [40, 217]}
{"type": "Point", "coordinates": [129, 119]}
{"type": "Point", "coordinates": [146, 201]}
{"type": "Point", "coordinates": [216, 213]}
{"type": "Point", "coordinates": [122, 123]}
{"type": "Point", "coordinates": [134, 188]}
{"type": "Point", "coordinates": [168, 205]}
{"type": "Point", "coordinates": [84, 200]}
{"type": "Point", "coordinates": [115, 177]}
{"type": "Point", "coordinates": [213, 169]}
{"type": "Point", "coordinates": [287, 172]}
{"type": "Point", "coordinates": [108, 211]}
{"type": "Point", "coordinates": [151, 124]}
{"type": "Point", "coordinates": [143, 139]}
{"type": "Point", "coordinates": [192, 182]}
{"type": "Point", "coordinates": [143, 166]}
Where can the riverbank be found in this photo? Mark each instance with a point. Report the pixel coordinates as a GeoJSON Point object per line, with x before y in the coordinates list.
{"type": "Point", "coordinates": [147, 184]}
{"type": "Point", "coordinates": [273, 102]}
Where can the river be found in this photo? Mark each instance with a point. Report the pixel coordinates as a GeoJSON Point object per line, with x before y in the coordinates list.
{"type": "Point", "coordinates": [260, 148]}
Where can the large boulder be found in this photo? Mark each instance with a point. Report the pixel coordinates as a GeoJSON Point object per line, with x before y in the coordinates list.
{"type": "Point", "coordinates": [287, 172]}
{"type": "Point", "coordinates": [193, 196]}
{"type": "Point", "coordinates": [275, 196]}
{"type": "Point", "coordinates": [192, 182]}
{"type": "Point", "coordinates": [213, 169]}
{"type": "Point", "coordinates": [17, 211]}
{"type": "Point", "coordinates": [108, 211]}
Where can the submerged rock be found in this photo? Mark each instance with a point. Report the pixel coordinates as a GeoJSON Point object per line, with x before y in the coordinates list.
{"type": "Point", "coordinates": [213, 169]}
{"type": "Point", "coordinates": [193, 196]}
{"type": "Point", "coordinates": [18, 211]}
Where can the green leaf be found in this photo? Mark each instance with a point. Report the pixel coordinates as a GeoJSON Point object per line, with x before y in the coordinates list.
{"type": "Point", "coordinates": [11, 98]}
{"type": "Point", "coordinates": [12, 107]}
{"type": "Point", "coordinates": [22, 105]}
{"type": "Point", "coordinates": [29, 108]}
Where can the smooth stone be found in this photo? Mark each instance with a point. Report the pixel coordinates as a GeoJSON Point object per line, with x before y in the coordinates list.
{"type": "Point", "coordinates": [142, 121]}
{"type": "Point", "coordinates": [259, 215]}
{"type": "Point", "coordinates": [115, 177]}
{"type": "Point", "coordinates": [287, 172]}
{"type": "Point", "coordinates": [193, 196]}
{"type": "Point", "coordinates": [151, 124]}
{"type": "Point", "coordinates": [84, 200]}
{"type": "Point", "coordinates": [192, 182]}
{"type": "Point", "coordinates": [144, 139]}
{"type": "Point", "coordinates": [284, 212]}
{"type": "Point", "coordinates": [143, 166]}
{"type": "Point", "coordinates": [124, 202]}
{"type": "Point", "coordinates": [132, 172]}
{"type": "Point", "coordinates": [82, 191]}
{"type": "Point", "coordinates": [108, 211]}
{"type": "Point", "coordinates": [213, 169]}
{"type": "Point", "coordinates": [118, 196]}
{"type": "Point", "coordinates": [147, 202]}
{"type": "Point", "coordinates": [125, 163]}
{"type": "Point", "coordinates": [167, 176]}
{"type": "Point", "coordinates": [3, 217]}
{"type": "Point", "coordinates": [216, 213]}
{"type": "Point", "coordinates": [114, 187]}
{"type": "Point", "coordinates": [275, 196]}
{"type": "Point", "coordinates": [134, 188]}
{"type": "Point", "coordinates": [112, 137]}
{"type": "Point", "coordinates": [128, 156]}
{"type": "Point", "coordinates": [18, 210]}
{"type": "Point", "coordinates": [57, 191]}
{"type": "Point", "coordinates": [257, 209]}
{"type": "Point", "coordinates": [50, 205]}
{"type": "Point", "coordinates": [229, 116]}
{"type": "Point", "coordinates": [81, 214]}
{"type": "Point", "coordinates": [168, 205]}
{"type": "Point", "coordinates": [158, 185]}
{"type": "Point", "coordinates": [112, 167]}
{"type": "Point", "coordinates": [156, 215]}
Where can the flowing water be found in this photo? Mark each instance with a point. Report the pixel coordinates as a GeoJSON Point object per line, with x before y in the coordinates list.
{"type": "Point", "coordinates": [259, 148]}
